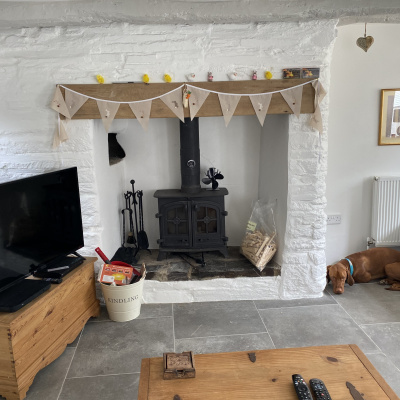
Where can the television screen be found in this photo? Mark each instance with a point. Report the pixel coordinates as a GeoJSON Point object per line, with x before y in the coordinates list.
{"type": "Point", "coordinates": [40, 219]}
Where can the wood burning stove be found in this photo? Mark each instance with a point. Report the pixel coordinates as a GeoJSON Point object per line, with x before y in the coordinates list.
{"type": "Point", "coordinates": [191, 219]}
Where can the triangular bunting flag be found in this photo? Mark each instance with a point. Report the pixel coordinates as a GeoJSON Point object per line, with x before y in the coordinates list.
{"type": "Point", "coordinates": [60, 134]}
{"type": "Point", "coordinates": [58, 103]}
{"type": "Point", "coordinates": [74, 101]}
{"type": "Point", "coordinates": [316, 118]}
{"type": "Point", "coordinates": [142, 112]}
{"type": "Point", "coordinates": [56, 138]}
{"type": "Point", "coordinates": [228, 105]}
{"type": "Point", "coordinates": [174, 102]}
{"type": "Point", "coordinates": [260, 105]}
{"type": "Point", "coordinates": [107, 111]}
{"type": "Point", "coordinates": [63, 132]}
{"type": "Point", "coordinates": [196, 100]}
{"type": "Point", "coordinates": [293, 98]}
{"type": "Point", "coordinates": [320, 92]}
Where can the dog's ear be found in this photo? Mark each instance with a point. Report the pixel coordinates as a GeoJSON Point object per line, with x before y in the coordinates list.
{"type": "Point", "coordinates": [350, 279]}
{"type": "Point", "coordinates": [327, 273]}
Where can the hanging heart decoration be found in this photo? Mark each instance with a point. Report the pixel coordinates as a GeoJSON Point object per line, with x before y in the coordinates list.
{"type": "Point", "coordinates": [365, 42]}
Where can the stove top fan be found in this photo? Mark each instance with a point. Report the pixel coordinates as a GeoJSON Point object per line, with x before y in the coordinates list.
{"type": "Point", "coordinates": [212, 175]}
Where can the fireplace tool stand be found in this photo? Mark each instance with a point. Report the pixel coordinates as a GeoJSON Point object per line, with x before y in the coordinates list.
{"type": "Point", "coordinates": [127, 254]}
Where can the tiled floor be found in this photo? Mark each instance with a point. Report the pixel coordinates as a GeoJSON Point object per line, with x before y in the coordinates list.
{"type": "Point", "coordinates": [104, 362]}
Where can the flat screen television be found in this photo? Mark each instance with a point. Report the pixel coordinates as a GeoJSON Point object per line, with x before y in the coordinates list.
{"type": "Point", "coordinates": [40, 220]}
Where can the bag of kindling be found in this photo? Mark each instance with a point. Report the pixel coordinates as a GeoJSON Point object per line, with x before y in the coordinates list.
{"type": "Point", "coordinates": [259, 242]}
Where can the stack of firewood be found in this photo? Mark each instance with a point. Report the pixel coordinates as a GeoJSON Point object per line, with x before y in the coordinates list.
{"type": "Point", "coordinates": [258, 248]}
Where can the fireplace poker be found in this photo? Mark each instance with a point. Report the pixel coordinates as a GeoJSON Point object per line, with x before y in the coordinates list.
{"type": "Point", "coordinates": [143, 241]}
{"type": "Point", "coordinates": [135, 209]}
{"type": "Point", "coordinates": [131, 237]}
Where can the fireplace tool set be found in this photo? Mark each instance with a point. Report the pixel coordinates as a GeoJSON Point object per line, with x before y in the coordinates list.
{"type": "Point", "coordinates": [137, 237]}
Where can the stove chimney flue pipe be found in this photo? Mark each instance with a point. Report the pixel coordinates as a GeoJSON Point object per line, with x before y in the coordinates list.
{"type": "Point", "coordinates": [190, 155]}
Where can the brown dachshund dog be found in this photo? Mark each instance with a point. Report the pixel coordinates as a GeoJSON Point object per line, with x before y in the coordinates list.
{"type": "Point", "coordinates": [370, 264]}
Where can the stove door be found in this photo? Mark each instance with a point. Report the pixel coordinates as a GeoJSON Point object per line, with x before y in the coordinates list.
{"type": "Point", "coordinates": [175, 225]}
{"type": "Point", "coordinates": [208, 230]}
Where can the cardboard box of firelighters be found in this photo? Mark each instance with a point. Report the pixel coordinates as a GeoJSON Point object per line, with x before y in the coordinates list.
{"type": "Point", "coordinates": [117, 274]}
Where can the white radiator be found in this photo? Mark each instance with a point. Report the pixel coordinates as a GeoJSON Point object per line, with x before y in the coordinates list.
{"type": "Point", "coordinates": [386, 211]}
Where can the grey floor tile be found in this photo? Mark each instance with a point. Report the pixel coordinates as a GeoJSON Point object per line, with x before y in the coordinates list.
{"type": "Point", "coordinates": [111, 387]}
{"type": "Point", "coordinates": [387, 337]}
{"type": "Point", "coordinates": [48, 382]}
{"type": "Point", "coordinates": [216, 318]}
{"type": "Point", "coordinates": [314, 326]}
{"type": "Point", "coordinates": [155, 310]}
{"type": "Point", "coordinates": [387, 369]}
{"type": "Point", "coordinates": [370, 303]}
{"type": "Point", "coordinates": [223, 344]}
{"type": "Point", "coordinates": [117, 347]}
{"type": "Point", "coordinates": [146, 311]}
{"type": "Point", "coordinates": [325, 299]}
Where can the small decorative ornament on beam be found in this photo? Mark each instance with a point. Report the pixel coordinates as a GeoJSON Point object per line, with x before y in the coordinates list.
{"type": "Point", "coordinates": [184, 96]}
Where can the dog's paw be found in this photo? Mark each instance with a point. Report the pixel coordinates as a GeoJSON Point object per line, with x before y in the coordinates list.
{"type": "Point", "coordinates": [384, 282]}
{"type": "Point", "coordinates": [394, 287]}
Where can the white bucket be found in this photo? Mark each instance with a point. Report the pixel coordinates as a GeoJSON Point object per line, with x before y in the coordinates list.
{"type": "Point", "coordinates": [123, 302]}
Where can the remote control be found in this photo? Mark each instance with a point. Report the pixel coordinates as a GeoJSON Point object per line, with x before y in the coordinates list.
{"type": "Point", "coordinates": [302, 390]}
{"type": "Point", "coordinates": [319, 389]}
{"type": "Point", "coordinates": [45, 274]}
{"type": "Point", "coordinates": [52, 280]}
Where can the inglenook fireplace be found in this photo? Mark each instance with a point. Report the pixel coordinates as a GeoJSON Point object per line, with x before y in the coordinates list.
{"type": "Point", "coordinates": [191, 219]}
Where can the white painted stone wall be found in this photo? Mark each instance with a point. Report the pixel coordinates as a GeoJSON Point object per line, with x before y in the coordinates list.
{"type": "Point", "coordinates": [33, 60]}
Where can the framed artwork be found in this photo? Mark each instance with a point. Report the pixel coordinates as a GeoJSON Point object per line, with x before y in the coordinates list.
{"type": "Point", "coordinates": [291, 73]}
{"type": "Point", "coordinates": [389, 127]}
{"type": "Point", "coordinates": [310, 73]}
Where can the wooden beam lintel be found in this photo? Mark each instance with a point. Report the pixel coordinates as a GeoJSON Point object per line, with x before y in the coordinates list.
{"type": "Point", "coordinates": [126, 92]}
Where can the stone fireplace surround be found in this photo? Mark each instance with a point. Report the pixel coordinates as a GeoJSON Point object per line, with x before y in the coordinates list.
{"type": "Point", "coordinates": [124, 51]}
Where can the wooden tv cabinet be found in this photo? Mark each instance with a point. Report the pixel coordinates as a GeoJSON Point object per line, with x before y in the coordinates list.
{"type": "Point", "coordinates": [34, 336]}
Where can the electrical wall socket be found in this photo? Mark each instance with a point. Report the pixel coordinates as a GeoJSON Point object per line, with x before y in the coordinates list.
{"type": "Point", "coordinates": [334, 219]}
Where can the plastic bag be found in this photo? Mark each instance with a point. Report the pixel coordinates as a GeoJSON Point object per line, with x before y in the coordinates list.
{"type": "Point", "coordinates": [259, 242]}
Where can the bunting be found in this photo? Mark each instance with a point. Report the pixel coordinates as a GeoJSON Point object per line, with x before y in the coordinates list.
{"type": "Point", "coordinates": [174, 102]}
{"type": "Point", "coordinates": [293, 97]}
{"type": "Point", "coordinates": [228, 105]}
{"type": "Point", "coordinates": [142, 112]}
{"type": "Point", "coordinates": [196, 100]}
{"type": "Point", "coordinates": [316, 118]}
{"type": "Point", "coordinates": [58, 103]}
{"type": "Point", "coordinates": [261, 104]}
{"type": "Point", "coordinates": [107, 112]}
{"type": "Point", "coordinates": [60, 134]}
{"type": "Point", "coordinates": [73, 101]}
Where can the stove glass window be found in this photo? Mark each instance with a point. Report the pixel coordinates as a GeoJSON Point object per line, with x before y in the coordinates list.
{"type": "Point", "coordinates": [177, 222]}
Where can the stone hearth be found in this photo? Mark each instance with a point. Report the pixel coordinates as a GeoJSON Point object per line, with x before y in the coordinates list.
{"type": "Point", "coordinates": [181, 267]}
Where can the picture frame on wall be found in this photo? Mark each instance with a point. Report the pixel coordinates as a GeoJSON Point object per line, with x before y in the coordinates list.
{"type": "Point", "coordinates": [291, 73]}
{"type": "Point", "coordinates": [312, 73]}
{"type": "Point", "coordinates": [389, 126]}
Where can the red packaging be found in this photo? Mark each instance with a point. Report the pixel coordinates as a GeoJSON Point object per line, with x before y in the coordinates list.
{"type": "Point", "coordinates": [118, 274]}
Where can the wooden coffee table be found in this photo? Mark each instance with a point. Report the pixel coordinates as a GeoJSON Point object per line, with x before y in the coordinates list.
{"type": "Point", "coordinates": [223, 376]}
